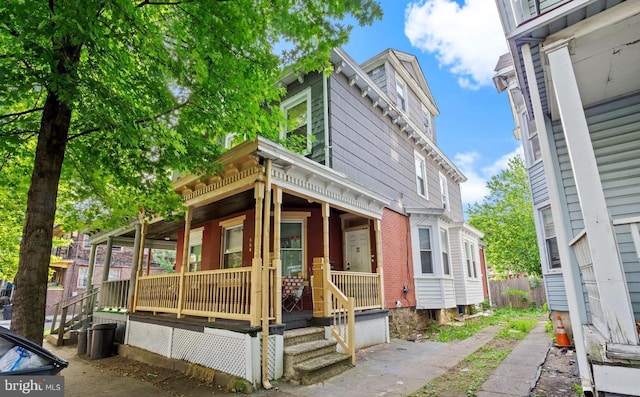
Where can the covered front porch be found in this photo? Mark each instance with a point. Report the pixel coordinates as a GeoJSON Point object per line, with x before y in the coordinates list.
{"type": "Point", "coordinates": [272, 227]}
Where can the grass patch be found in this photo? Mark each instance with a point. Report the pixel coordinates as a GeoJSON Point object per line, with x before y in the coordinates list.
{"type": "Point", "coordinates": [516, 329]}
{"type": "Point", "coordinates": [466, 378]}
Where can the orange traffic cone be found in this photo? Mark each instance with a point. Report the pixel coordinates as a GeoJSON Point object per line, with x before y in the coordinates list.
{"type": "Point", "coordinates": [562, 340]}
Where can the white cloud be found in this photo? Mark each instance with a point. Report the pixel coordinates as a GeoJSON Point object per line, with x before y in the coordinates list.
{"type": "Point", "coordinates": [475, 188]}
{"type": "Point", "coordinates": [467, 39]}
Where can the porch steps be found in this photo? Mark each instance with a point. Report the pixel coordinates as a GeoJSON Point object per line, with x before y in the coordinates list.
{"type": "Point", "coordinates": [309, 358]}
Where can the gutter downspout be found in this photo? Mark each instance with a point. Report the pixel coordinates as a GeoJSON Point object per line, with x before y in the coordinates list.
{"type": "Point", "coordinates": [325, 108]}
{"type": "Point", "coordinates": [266, 225]}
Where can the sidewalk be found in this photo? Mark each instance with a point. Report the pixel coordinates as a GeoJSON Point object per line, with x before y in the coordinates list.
{"type": "Point", "coordinates": [517, 374]}
{"type": "Point", "coordinates": [394, 369]}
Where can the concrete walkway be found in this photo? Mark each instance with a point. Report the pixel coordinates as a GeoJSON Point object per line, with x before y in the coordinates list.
{"type": "Point", "coordinates": [395, 369]}
{"type": "Point", "coordinates": [517, 374]}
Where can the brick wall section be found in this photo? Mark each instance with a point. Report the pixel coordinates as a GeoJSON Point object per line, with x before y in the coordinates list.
{"type": "Point", "coordinates": [398, 265]}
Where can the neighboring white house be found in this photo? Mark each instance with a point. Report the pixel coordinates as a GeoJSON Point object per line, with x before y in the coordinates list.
{"type": "Point", "coordinates": [525, 131]}
{"type": "Point", "coordinates": [577, 71]}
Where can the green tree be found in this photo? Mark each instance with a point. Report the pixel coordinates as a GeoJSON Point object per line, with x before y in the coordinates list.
{"type": "Point", "coordinates": [115, 95]}
{"type": "Point", "coordinates": [506, 218]}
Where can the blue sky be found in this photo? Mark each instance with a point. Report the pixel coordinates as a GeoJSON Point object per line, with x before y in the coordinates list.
{"type": "Point", "coordinates": [457, 45]}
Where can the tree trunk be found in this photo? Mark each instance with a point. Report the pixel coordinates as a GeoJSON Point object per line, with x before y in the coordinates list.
{"type": "Point", "coordinates": [29, 298]}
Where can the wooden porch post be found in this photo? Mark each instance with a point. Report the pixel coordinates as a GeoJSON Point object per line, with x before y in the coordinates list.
{"type": "Point", "coordinates": [185, 241]}
{"type": "Point", "coordinates": [379, 261]}
{"type": "Point", "coordinates": [92, 264]}
{"type": "Point", "coordinates": [277, 263]}
{"type": "Point", "coordinates": [266, 234]}
{"type": "Point", "coordinates": [139, 257]}
{"type": "Point", "coordinates": [321, 302]}
{"type": "Point", "coordinates": [325, 232]}
{"type": "Point", "coordinates": [107, 259]}
{"type": "Point", "coordinates": [133, 283]}
{"type": "Point", "coordinates": [257, 256]}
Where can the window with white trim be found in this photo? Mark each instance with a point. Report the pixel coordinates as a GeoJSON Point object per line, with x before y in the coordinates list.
{"type": "Point", "coordinates": [467, 257]}
{"type": "Point", "coordinates": [232, 247]}
{"type": "Point", "coordinates": [444, 191]}
{"type": "Point", "coordinates": [114, 274]}
{"type": "Point", "coordinates": [426, 254]}
{"type": "Point", "coordinates": [444, 248]}
{"type": "Point", "coordinates": [401, 94]}
{"type": "Point", "coordinates": [534, 144]}
{"type": "Point", "coordinates": [427, 122]}
{"type": "Point", "coordinates": [195, 249]}
{"type": "Point", "coordinates": [551, 244]}
{"type": "Point", "coordinates": [474, 262]}
{"type": "Point", "coordinates": [83, 274]}
{"type": "Point", "coordinates": [297, 120]}
{"type": "Point", "coordinates": [85, 242]}
{"type": "Point", "coordinates": [292, 247]}
{"type": "Point", "coordinates": [421, 176]}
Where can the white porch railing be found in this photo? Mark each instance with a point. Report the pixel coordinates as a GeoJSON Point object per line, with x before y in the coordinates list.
{"type": "Point", "coordinates": [114, 294]}
{"type": "Point", "coordinates": [581, 249]}
{"type": "Point", "coordinates": [363, 287]}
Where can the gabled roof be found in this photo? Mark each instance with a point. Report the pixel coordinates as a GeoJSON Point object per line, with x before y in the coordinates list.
{"type": "Point", "coordinates": [408, 67]}
{"type": "Point", "coordinates": [357, 76]}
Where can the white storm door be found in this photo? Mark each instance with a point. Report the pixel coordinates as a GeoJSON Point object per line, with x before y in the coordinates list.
{"type": "Point", "coordinates": [357, 251]}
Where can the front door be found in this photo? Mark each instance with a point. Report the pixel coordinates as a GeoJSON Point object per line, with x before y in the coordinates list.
{"type": "Point", "coordinates": [357, 252]}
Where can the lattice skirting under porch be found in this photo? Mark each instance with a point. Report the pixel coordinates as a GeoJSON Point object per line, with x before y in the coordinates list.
{"type": "Point", "coordinates": [234, 353]}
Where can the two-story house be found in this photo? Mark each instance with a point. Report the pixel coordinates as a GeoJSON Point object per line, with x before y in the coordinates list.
{"type": "Point", "coordinates": [576, 69]}
{"type": "Point", "coordinates": [525, 131]}
{"type": "Point", "coordinates": [368, 216]}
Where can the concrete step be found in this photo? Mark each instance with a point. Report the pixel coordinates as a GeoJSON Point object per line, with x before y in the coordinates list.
{"type": "Point", "coordinates": [305, 351]}
{"type": "Point", "coordinates": [320, 368]}
{"type": "Point", "coordinates": [301, 335]}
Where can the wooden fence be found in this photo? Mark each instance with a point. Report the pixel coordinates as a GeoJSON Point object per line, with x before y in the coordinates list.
{"type": "Point", "coordinates": [516, 293]}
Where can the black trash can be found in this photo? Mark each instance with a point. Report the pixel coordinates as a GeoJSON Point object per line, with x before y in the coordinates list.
{"type": "Point", "coordinates": [82, 341]}
{"type": "Point", "coordinates": [102, 340]}
{"type": "Point", "coordinates": [7, 311]}
{"type": "Point", "coordinates": [51, 364]}
{"type": "Point", "coordinates": [89, 341]}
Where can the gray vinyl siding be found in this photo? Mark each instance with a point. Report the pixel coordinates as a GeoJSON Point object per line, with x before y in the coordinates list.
{"type": "Point", "coordinates": [457, 267]}
{"type": "Point", "coordinates": [556, 292]}
{"type": "Point", "coordinates": [614, 128]}
{"type": "Point", "coordinates": [313, 80]}
{"type": "Point", "coordinates": [379, 76]}
{"type": "Point", "coordinates": [414, 105]}
{"type": "Point", "coordinates": [369, 148]}
{"type": "Point", "coordinates": [538, 183]}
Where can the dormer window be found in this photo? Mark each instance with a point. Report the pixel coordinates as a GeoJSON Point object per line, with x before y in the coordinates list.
{"type": "Point", "coordinates": [427, 122]}
{"type": "Point", "coordinates": [401, 94]}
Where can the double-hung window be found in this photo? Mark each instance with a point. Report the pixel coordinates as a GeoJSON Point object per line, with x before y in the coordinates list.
{"type": "Point", "coordinates": [114, 274]}
{"type": "Point", "coordinates": [195, 249]}
{"type": "Point", "coordinates": [444, 247]}
{"type": "Point", "coordinates": [426, 258]}
{"type": "Point", "coordinates": [444, 191]}
{"type": "Point", "coordinates": [421, 176]}
{"type": "Point", "coordinates": [534, 144]}
{"type": "Point", "coordinates": [467, 254]}
{"type": "Point", "coordinates": [291, 247]}
{"type": "Point", "coordinates": [427, 123]}
{"type": "Point", "coordinates": [83, 273]}
{"type": "Point", "coordinates": [401, 94]}
{"type": "Point", "coordinates": [297, 121]}
{"type": "Point", "coordinates": [551, 244]}
{"type": "Point", "coordinates": [232, 242]}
